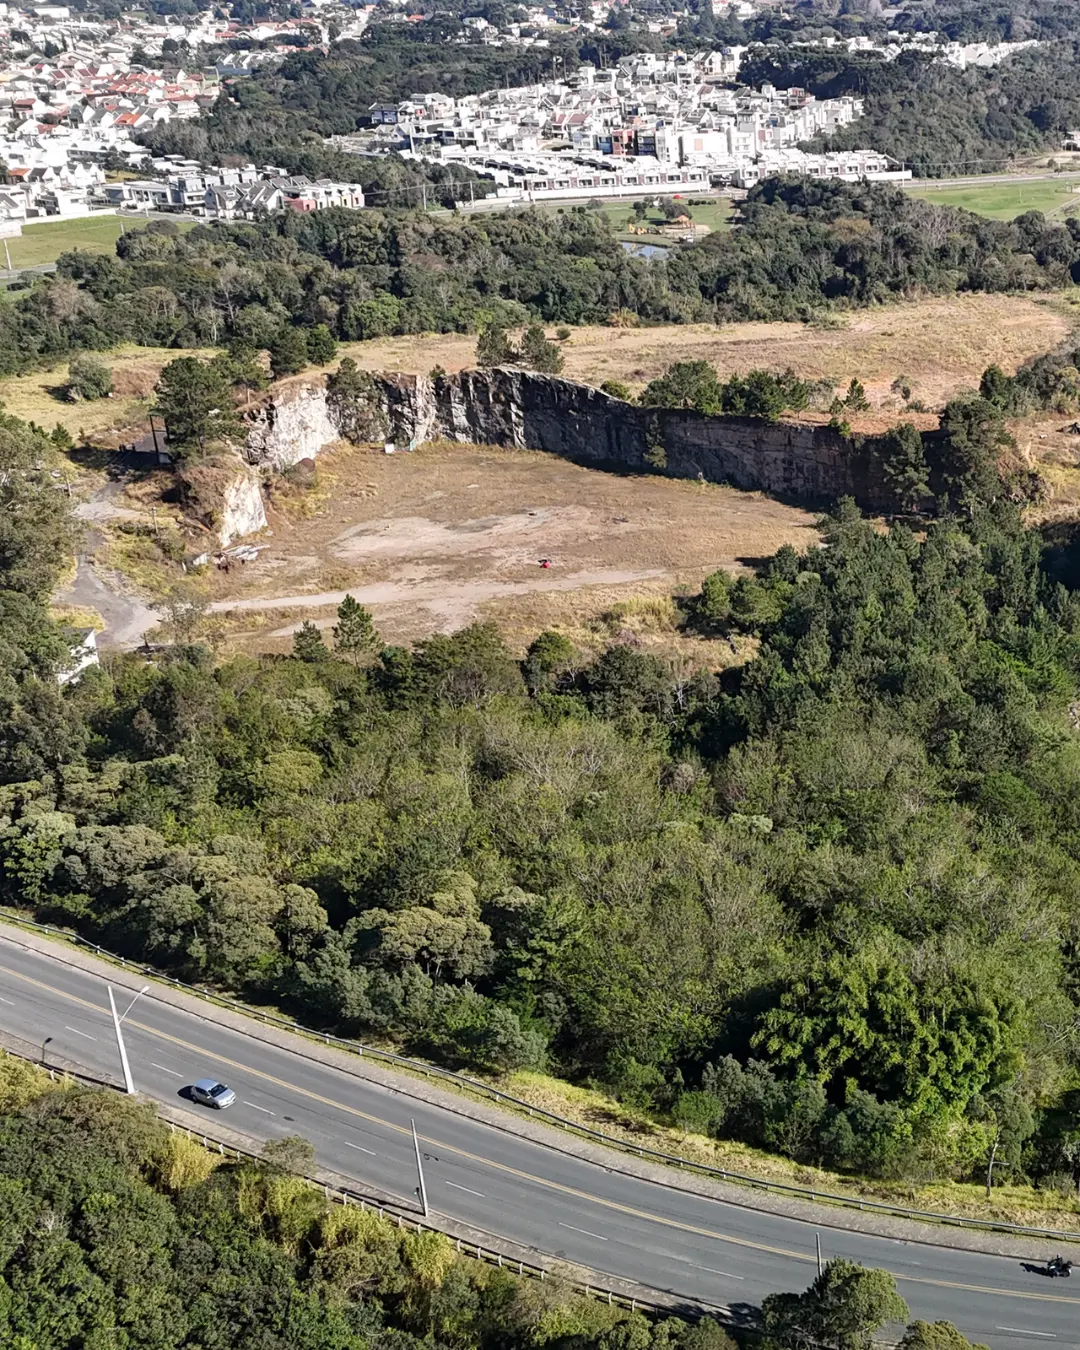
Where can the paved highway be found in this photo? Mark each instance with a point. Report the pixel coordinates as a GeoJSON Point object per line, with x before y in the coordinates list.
{"type": "Point", "coordinates": [548, 1200]}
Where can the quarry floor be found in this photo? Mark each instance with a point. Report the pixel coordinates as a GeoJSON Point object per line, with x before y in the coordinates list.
{"type": "Point", "coordinates": [432, 540]}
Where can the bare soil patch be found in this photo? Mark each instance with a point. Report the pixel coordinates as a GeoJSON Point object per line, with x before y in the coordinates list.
{"type": "Point", "coordinates": [432, 540]}
{"type": "Point", "coordinates": [939, 346]}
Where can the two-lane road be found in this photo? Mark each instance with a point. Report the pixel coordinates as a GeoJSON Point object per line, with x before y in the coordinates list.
{"type": "Point", "coordinates": [495, 1180]}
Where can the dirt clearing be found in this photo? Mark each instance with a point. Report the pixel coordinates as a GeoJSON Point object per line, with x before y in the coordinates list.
{"type": "Point", "coordinates": [937, 346]}
{"type": "Point", "coordinates": [433, 540]}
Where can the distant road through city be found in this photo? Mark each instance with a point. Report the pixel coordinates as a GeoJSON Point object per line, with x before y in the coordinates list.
{"type": "Point", "coordinates": [495, 1180]}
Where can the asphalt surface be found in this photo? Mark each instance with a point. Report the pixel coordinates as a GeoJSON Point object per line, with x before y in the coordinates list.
{"type": "Point", "coordinates": [694, 1246]}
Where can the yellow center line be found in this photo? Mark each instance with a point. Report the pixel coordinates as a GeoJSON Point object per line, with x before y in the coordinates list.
{"type": "Point", "coordinates": [557, 1186]}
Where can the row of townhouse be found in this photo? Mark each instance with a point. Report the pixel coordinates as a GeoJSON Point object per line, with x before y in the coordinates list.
{"type": "Point", "coordinates": [551, 177]}
{"type": "Point", "coordinates": [232, 194]}
{"type": "Point", "coordinates": [961, 54]}
{"type": "Point", "coordinates": [79, 84]}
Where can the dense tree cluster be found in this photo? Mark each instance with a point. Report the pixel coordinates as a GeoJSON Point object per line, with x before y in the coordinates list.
{"type": "Point", "coordinates": [802, 248]}
{"type": "Point", "coordinates": [696, 385]}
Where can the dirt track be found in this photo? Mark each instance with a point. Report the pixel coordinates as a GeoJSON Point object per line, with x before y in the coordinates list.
{"type": "Point", "coordinates": [450, 606]}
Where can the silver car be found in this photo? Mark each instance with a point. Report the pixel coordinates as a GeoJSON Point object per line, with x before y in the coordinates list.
{"type": "Point", "coordinates": [212, 1093]}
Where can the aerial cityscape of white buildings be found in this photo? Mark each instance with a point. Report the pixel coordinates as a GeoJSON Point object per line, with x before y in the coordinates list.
{"type": "Point", "coordinates": [652, 122]}
{"type": "Point", "coordinates": [76, 91]}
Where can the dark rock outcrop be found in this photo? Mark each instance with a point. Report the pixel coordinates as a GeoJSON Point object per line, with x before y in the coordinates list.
{"type": "Point", "coordinates": [517, 408]}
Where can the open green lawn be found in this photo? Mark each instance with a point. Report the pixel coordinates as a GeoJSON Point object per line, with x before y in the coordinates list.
{"type": "Point", "coordinates": [715, 214]}
{"type": "Point", "coordinates": [44, 241]}
{"type": "Point", "coordinates": [1004, 201]}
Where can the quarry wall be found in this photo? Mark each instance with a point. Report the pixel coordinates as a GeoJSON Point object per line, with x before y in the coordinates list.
{"type": "Point", "coordinates": [521, 409]}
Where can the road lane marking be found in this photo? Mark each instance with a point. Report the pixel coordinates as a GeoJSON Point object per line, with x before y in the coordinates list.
{"type": "Point", "coordinates": [1023, 1331]}
{"type": "Point", "coordinates": [465, 1188]}
{"type": "Point", "coordinates": [85, 1034]}
{"type": "Point", "coordinates": [8, 1002]}
{"type": "Point", "coordinates": [556, 1186]}
{"type": "Point", "coordinates": [598, 1236]}
{"type": "Point", "coordinates": [257, 1107]}
{"type": "Point", "coordinates": [359, 1148]}
{"type": "Point", "coordinates": [165, 1070]}
{"type": "Point", "coordinates": [726, 1273]}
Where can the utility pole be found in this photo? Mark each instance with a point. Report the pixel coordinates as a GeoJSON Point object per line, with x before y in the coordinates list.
{"type": "Point", "coordinates": [7, 255]}
{"type": "Point", "coordinates": [421, 1189]}
{"type": "Point", "coordinates": [129, 1086]}
{"type": "Point", "coordinates": [817, 1240]}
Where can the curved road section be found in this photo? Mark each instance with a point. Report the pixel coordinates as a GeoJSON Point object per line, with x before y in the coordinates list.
{"type": "Point", "coordinates": [694, 1246]}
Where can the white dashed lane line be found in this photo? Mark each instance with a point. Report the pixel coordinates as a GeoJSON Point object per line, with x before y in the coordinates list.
{"type": "Point", "coordinates": [465, 1188]}
{"type": "Point", "coordinates": [599, 1237]}
{"type": "Point", "coordinates": [85, 1034]}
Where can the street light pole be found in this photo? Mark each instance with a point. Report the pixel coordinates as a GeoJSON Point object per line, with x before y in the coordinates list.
{"type": "Point", "coordinates": [44, 1043]}
{"type": "Point", "coordinates": [129, 1086]}
{"type": "Point", "coordinates": [422, 1190]}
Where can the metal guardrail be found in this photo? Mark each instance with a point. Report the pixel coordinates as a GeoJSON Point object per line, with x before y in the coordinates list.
{"type": "Point", "coordinates": [344, 1196]}
{"type": "Point", "coordinates": [550, 1117]}
{"type": "Point", "coordinates": [474, 1250]}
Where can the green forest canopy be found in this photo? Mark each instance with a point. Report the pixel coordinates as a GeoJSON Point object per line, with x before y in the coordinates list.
{"type": "Point", "coordinates": [802, 249]}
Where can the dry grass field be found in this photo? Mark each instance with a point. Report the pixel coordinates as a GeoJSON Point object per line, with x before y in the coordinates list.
{"type": "Point", "coordinates": [38, 397]}
{"type": "Point", "coordinates": [939, 346]}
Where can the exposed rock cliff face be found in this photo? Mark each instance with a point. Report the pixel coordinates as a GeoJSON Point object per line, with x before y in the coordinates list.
{"type": "Point", "coordinates": [291, 424]}
{"type": "Point", "coordinates": [242, 510]}
{"type": "Point", "coordinates": [517, 408]}
{"type": "Point", "coordinates": [224, 494]}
